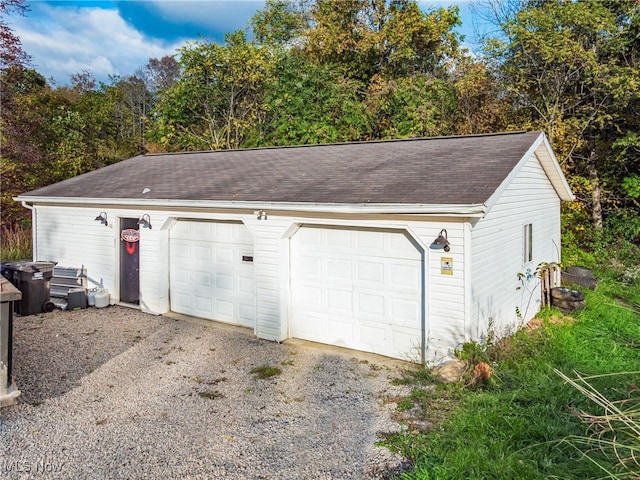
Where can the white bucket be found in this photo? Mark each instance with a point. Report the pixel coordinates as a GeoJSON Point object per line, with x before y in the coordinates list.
{"type": "Point", "coordinates": [101, 298]}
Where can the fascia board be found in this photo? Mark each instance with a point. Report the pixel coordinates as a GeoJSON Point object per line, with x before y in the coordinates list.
{"type": "Point", "coordinates": [467, 210]}
{"type": "Point", "coordinates": [553, 170]}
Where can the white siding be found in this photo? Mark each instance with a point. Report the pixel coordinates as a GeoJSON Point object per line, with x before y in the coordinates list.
{"type": "Point", "coordinates": [154, 266]}
{"type": "Point", "coordinates": [269, 275]}
{"type": "Point", "coordinates": [445, 315]}
{"type": "Point", "coordinates": [497, 252]}
{"type": "Point", "coordinates": [71, 237]}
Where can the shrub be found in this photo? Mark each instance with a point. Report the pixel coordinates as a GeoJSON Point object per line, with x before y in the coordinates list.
{"type": "Point", "coordinates": [15, 243]}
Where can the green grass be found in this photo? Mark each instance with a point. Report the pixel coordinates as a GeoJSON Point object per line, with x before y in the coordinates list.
{"type": "Point", "coordinates": [211, 395]}
{"type": "Point", "coordinates": [526, 423]}
{"type": "Point", "coordinates": [264, 372]}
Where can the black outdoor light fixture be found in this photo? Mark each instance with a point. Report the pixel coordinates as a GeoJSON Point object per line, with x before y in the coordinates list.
{"type": "Point", "coordinates": [260, 214]}
{"type": "Point", "coordinates": [102, 218]}
{"type": "Point", "coordinates": [145, 221]}
{"type": "Point", "coordinates": [441, 241]}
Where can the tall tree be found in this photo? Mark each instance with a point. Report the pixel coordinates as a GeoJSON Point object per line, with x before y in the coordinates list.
{"type": "Point", "coordinates": [161, 74]}
{"type": "Point", "coordinates": [379, 37]}
{"type": "Point", "coordinates": [568, 68]}
{"type": "Point", "coordinates": [358, 69]}
{"type": "Point", "coordinates": [480, 105]}
{"type": "Point", "coordinates": [11, 52]}
{"type": "Point", "coordinates": [23, 124]}
{"type": "Point", "coordinates": [309, 103]}
{"type": "Point", "coordinates": [413, 106]}
{"type": "Point", "coordinates": [281, 23]}
{"type": "Point", "coordinates": [132, 103]}
{"type": "Point", "coordinates": [218, 98]}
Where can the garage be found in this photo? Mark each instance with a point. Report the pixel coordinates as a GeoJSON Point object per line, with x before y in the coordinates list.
{"type": "Point", "coordinates": [392, 247]}
{"type": "Point", "coordinates": [358, 288]}
{"type": "Point", "coordinates": [211, 271]}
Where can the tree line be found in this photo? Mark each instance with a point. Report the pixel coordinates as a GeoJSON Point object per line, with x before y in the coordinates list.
{"type": "Point", "coordinates": [320, 71]}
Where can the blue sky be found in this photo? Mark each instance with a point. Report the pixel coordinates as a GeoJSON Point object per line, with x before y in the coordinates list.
{"type": "Point", "coordinates": [118, 37]}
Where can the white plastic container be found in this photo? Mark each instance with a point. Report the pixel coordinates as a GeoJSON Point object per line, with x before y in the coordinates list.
{"type": "Point", "coordinates": [102, 298]}
{"type": "Point", "coordinates": [91, 297]}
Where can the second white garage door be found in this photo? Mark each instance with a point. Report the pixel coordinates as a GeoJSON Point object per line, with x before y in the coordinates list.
{"type": "Point", "coordinates": [211, 271]}
{"type": "Point", "coordinates": [359, 289]}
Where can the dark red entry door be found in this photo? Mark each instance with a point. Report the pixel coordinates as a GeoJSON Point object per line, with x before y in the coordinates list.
{"type": "Point", "coordinates": [129, 261]}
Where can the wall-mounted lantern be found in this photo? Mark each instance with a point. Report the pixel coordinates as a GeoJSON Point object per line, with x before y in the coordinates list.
{"type": "Point", "coordinates": [441, 242]}
{"type": "Point", "coordinates": [145, 221]}
{"type": "Point", "coordinates": [102, 218]}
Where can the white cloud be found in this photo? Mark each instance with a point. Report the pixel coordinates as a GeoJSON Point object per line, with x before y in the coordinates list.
{"type": "Point", "coordinates": [64, 40]}
{"type": "Point", "coordinates": [219, 15]}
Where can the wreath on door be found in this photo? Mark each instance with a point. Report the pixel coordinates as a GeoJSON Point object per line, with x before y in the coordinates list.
{"type": "Point", "coordinates": [130, 236]}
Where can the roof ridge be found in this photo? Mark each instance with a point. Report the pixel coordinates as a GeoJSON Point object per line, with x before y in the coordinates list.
{"type": "Point", "coordinates": [354, 142]}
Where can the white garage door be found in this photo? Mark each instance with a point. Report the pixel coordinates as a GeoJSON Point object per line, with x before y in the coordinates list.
{"type": "Point", "coordinates": [360, 289]}
{"type": "Point", "coordinates": [211, 271]}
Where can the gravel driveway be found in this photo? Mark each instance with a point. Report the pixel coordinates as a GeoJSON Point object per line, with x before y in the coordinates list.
{"type": "Point", "coordinates": [115, 393]}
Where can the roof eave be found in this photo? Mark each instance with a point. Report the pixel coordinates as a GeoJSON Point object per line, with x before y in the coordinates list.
{"type": "Point", "coordinates": [463, 210]}
{"type": "Point", "coordinates": [553, 169]}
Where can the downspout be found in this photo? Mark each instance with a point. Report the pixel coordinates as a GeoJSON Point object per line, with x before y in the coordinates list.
{"type": "Point", "coordinates": [33, 228]}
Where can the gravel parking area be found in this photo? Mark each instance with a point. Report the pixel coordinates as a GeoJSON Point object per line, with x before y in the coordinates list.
{"type": "Point", "coordinates": [118, 394]}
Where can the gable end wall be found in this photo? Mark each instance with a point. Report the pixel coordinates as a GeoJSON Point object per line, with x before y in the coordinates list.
{"type": "Point", "coordinates": [497, 253]}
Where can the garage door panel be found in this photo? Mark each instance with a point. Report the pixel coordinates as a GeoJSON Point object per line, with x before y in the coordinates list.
{"type": "Point", "coordinates": [181, 250]}
{"type": "Point", "coordinates": [366, 240]}
{"type": "Point", "coordinates": [405, 312]}
{"type": "Point", "coordinates": [202, 304]}
{"type": "Point", "coordinates": [308, 266]}
{"type": "Point", "coordinates": [224, 282]}
{"type": "Point", "coordinates": [224, 232]}
{"type": "Point", "coordinates": [405, 341]}
{"type": "Point", "coordinates": [309, 327]}
{"type": "Point", "coordinates": [201, 229]}
{"type": "Point", "coordinates": [370, 271]}
{"type": "Point", "coordinates": [180, 301]}
{"type": "Point", "coordinates": [339, 269]}
{"type": "Point", "coordinates": [208, 277]}
{"type": "Point", "coordinates": [247, 312]}
{"type": "Point", "coordinates": [202, 253]}
{"type": "Point", "coordinates": [337, 238]}
{"type": "Point", "coordinates": [404, 275]}
{"type": "Point", "coordinates": [360, 284]}
{"type": "Point", "coordinates": [341, 333]}
{"type": "Point", "coordinates": [202, 279]}
{"type": "Point", "coordinates": [246, 285]}
{"type": "Point", "coordinates": [309, 237]}
{"type": "Point", "coordinates": [182, 278]}
{"type": "Point", "coordinates": [372, 337]}
{"type": "Point", "coordinates": [371, 306]}
{"type": "Point", "coordinates": [339, 300]}
{"type": "Point", "coordinates": [224, 308]}
{"type": "Point", "coordinates": [308, 297]}
{"type": "Point", "coordinates": [225, 255]}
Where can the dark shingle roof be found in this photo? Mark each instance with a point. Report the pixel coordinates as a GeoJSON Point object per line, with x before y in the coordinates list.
{"type": "Point", "coordinates": [440, 170]}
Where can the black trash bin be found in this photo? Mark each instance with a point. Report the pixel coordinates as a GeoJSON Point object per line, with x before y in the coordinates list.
{"type": "Point", "coordinates": [33, 279]}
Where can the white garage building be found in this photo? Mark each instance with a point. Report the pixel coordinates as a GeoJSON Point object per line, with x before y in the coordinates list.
{"type": "Point", "coordinates": [341, 244]}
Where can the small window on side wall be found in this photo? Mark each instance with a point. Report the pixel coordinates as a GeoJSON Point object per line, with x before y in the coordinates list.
{"type": "Point", "coordinates": [527, 250]}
